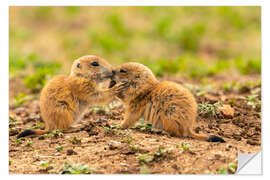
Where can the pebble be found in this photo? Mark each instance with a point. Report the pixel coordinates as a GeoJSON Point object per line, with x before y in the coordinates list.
{"type": "Point", "coordinates": [19, 110]}
{"type": "Point", "coordinates": [217, 156]}
{"type": "Point", "coordinates": [227, 111]}
{"type": "Point", "coordinates": [123, 164]}
{"type": "Point", "coordinates": [71, 152]}
{"type": "Point", "coordinates": [57, 154]}
{"type": "Point", "coordinates": [114, 145]}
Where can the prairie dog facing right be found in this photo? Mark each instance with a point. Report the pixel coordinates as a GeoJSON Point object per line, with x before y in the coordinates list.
{"type": "Point", "coordinates": [167, 105]}
{"type": "Point", "coordinates": [64, 98]}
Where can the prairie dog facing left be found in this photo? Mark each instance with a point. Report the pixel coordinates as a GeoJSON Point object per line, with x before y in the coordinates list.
{"type": "Point", "coordinates": [166, 105]}
{"type": "Point", "coordinates": [64, 98]}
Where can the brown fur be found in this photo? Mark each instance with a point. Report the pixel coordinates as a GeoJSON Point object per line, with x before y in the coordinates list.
{"type": "Point", "coordinates": [166, 105]}
{"type": "Point", "coordinates": [64, 98]}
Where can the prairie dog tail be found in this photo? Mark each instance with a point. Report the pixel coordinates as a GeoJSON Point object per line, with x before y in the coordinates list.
{"type": "Point", "coordinates": [203, 137]}
{"type": "Point", "coordinates": [29, 132]}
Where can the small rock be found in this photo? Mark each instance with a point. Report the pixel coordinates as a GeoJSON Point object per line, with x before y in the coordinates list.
{"type": "Point", "coordinates": [57, 154]}
{"type": "Point", "coordinates": [128, 152]}
{"type": "Point", "coordinates": [92, 133]}
{"type": "Point", "coordinates": [217, 156]}
{"type": "Point", "coordinates": [191, 152]}
{"type": "Point", "coordinates": [114, 145]}
{"type": "Point", "coordinates": [41, 137]}
{"type": "Point", "coordinates": [71, 152]}
{"type": "Point", "coordinates": [211, 98]}
{"type": "Point", "coordinates": [123, 164]}
{"type": "Point", "coordinates": [226, 110]}
{"type": "Point", "coordinates": [174, 166]}
{"type": "Point", "coordinates": [19, 110]}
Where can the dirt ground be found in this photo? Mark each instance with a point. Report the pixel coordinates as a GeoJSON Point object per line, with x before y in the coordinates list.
{"type": "Point", "coordinates": [106, 149]}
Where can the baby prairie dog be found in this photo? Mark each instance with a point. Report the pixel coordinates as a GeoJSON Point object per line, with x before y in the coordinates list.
{"type": "Point", "coordinates": [64, 98]}
{"type": "Point", "coordinates": [166, 105]}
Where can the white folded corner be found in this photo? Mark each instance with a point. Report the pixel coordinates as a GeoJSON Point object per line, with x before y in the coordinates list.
{"type": "Point", "coordinates": [249, 164]}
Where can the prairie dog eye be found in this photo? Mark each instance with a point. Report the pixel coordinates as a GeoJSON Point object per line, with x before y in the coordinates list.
{"type": "Point", "coordinates": [123, 71]}
{"type": "Point", "coordinates": [94, 63]}
{"type": "Point", "coordinates": [78, 65]}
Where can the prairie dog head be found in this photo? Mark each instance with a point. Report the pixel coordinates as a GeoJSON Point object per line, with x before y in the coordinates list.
{"type": "Point", "coordinates": [92, 67]}
{"type": "Point", "coordinates": [136, 79]}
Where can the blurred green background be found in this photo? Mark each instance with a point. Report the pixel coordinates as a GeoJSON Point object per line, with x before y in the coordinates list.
{"type": "Point", "coordinates": [192, 42]}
